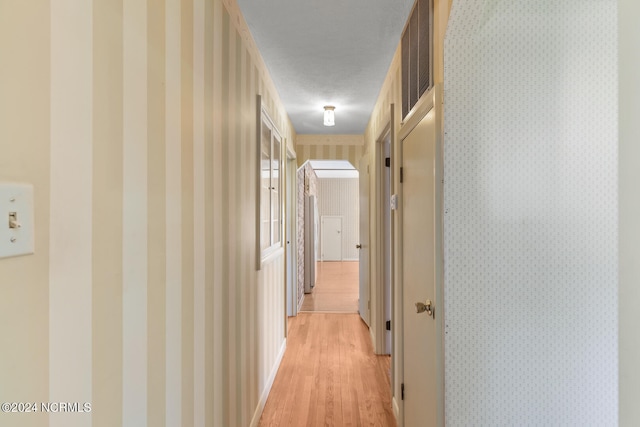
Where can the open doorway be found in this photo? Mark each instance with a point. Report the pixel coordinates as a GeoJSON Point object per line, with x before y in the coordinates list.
{"type": "Point", "coordinates": [328, 236]}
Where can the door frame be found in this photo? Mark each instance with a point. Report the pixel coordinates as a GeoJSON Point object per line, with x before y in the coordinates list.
{"type": "Point", "coordinates": [388, 130]}
{"type": "Point", "coordinates": [433, 99]}
{"type": "Point", "coordinates": [364, 176]}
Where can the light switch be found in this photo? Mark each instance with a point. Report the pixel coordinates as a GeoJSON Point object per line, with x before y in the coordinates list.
{"type": "Point", "coordinates": [16, 219]}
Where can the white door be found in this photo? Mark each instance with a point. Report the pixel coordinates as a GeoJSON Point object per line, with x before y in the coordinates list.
{"type": "Point", "coordinates": [420, 270]}
{"type": "Point", "coordinates": [331, 238]}
{"type": "Point", "coordinates": [363, 301]}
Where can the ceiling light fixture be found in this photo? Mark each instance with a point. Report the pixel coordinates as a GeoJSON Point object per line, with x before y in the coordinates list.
{"type": "Point", "coordinates": [329, 115]}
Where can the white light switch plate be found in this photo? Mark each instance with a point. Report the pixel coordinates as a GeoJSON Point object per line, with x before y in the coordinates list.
{"type": "Point", "coordinates": [16, 199]}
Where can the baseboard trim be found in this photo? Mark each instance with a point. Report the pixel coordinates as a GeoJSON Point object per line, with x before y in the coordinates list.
{"type": "Point", "coordinates": [373, 338]}
{"type": "Point", "coordinates": [267, 389]}
{"type": "Point", "coordinates": [396, 410]}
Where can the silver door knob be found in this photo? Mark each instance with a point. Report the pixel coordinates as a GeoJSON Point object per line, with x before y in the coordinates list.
{"type": "Point", "coordinates": [422, 307]}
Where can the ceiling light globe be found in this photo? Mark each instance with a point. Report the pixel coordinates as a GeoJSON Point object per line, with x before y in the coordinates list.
{"type": "Point", "coordinates": [329, 115]}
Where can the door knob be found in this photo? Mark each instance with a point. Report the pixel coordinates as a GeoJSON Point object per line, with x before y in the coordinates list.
{"type": "Point", "coordinates": [358, 246]}
{"type": "Point", "coordinates": [422, 307]}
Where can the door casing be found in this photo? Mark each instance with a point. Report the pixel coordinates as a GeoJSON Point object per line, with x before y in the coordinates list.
{"type": "Point", "coordinates": [384, 244]}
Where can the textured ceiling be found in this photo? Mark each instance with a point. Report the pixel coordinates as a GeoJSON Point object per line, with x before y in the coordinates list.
{"type": "Point", "coordinates": [330, 52]}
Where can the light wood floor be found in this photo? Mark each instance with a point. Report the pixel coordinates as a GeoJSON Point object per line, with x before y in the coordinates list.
{"type": "Point", "coordinates": [329, 376]}
{"type": "Point", "coordinates": [336, 289]}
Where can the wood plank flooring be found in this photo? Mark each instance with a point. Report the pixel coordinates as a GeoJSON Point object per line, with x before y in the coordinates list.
{"type": "Point", "coordinates": [336, 289]}
{"type": "Point", "coordinates": [329, 376]}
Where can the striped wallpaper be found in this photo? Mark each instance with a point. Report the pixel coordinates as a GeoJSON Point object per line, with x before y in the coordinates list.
{"type": "Point", "coordinates": [352, 153]}
{"type": "Point", "coordinates": [135, 122]}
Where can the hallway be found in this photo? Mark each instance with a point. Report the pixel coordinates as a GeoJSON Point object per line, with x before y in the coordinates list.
{"type": "Point", "coordinates": [157, 253]}
{"type": "Point", "coordinates": [336, 288]}
{"type": "Point", "coordinates": [330, 376]}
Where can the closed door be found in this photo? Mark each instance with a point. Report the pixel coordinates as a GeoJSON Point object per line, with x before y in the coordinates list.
{"type": "Point", "coordinates": [422, 341]}
{"type": "Point", "coordinates": [331, 238]}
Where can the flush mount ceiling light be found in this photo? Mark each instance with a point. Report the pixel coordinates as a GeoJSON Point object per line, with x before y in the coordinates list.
{"type": "Point", "coordinates": [329, 115]}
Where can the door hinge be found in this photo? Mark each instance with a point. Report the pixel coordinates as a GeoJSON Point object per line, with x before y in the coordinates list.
{"type": "Point", "coordinates": [369, 304]}
{"type": "Point", "coordinates": [388, 325]}
{"type": "Point", "coordinates": [401, 175]}
{"type": "Point", "coordinates": [402, 391]}
{"type": "Point", "coordinates": [387, 162]}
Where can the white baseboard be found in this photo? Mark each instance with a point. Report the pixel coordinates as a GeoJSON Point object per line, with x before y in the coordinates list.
{"type": "Point", "coordinates": [396, 410]}
{"type": "Point", "coordinates": [267, 389]}
{"type": "Point", "coordinates": [373, 338]}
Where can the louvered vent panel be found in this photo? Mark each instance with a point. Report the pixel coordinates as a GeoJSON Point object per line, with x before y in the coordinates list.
{"type": "Point", "coordinates": [416, 55]}
{"type": "Point", "coordinates": [405, 73]}
{"type": "Point", "coordinates": [413, 59]}
{"type": "Point", "coordinates": [424, 47]}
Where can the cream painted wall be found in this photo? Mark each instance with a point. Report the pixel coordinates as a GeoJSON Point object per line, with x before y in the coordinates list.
{"type": "Point", "coordinates": [629, 150]}
{"type": "Point", "coordinates": [133, 122]}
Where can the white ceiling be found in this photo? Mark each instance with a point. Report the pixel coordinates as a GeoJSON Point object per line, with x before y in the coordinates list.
{"type": "Point", "coordinates": [329, 52]}
{"type": "Point", "coordinates": [331, 165]}
{"type": "Point", "coordinates": [337, 174]}
{"type": "Point", "coordinates": [334, 169]}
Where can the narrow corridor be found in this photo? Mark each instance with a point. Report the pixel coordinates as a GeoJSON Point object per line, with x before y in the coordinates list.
{"type": "Point", "coordinates": [330, 376]}
{"type": "Point", "coordinates": [336, 289]}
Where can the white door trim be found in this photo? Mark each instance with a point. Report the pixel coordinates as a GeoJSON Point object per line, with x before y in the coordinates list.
{"type": "Point", "coordinates": [378, 280]}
